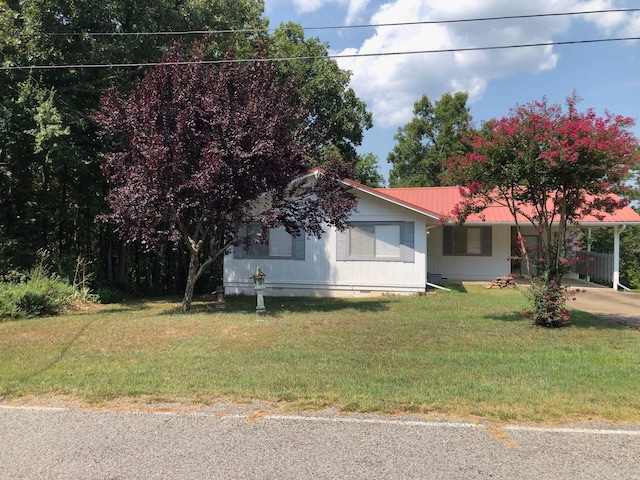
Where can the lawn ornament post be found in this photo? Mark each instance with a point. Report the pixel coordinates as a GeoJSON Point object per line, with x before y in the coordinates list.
{"type": "Point", "coordinates": [259, 286]}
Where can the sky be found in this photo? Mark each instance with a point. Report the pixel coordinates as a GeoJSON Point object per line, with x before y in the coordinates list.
{"type": "Point", "coordinates": [605, 75]}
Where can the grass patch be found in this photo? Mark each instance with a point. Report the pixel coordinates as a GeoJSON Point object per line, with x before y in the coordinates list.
{"type": "Point", "coordinates": [460, 353]}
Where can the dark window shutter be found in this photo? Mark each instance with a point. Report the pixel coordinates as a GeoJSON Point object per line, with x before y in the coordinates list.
{"type": "Point", "coordinates": [341, 245]}
{"type": "Point", "coordinates": [407, 240]}
{"type": "Point", "coordinates": [239, 251]}
{"type": "Point", "coordinates": [447, 240]}
{"type": "Point", "coordinates": [298, 247]}
{"type": "Point", "coordinates": [486, 240]}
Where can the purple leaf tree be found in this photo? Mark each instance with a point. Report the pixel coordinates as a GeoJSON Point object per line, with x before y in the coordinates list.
{"type": "Point", "coordinates": [196, 150]}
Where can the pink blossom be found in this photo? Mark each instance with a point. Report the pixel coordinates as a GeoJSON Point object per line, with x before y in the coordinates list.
{"type": "Point", "coordinates": [474, 187]}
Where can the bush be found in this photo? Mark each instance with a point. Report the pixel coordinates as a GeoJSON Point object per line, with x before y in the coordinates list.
{"type": "Point", "coordinates": [38, 295]}
{"type": "Point", "coordinates": [110, 295]}
{"type": "Point", "coordinates": [548, 303]}
{"type": "Point", "coordinates": [8, 301]}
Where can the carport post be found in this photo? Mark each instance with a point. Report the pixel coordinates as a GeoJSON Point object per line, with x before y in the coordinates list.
{"type": "Point", "coordinates": [616, 257]}
{"type": "Point", "coordinates": [588, 252]}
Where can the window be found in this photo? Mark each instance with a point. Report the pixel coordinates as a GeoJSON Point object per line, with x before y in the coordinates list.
{"type": "Point", "coordinates": [278, 244]}
{"type": "Point", "coordinates": [385, 241]}
{"type": "Point", "coordinates": [374, 241]}
{"type": "Point", "coordinates": [467, 241]}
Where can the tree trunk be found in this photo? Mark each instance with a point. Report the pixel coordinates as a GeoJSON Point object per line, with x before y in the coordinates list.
{"type": "Point", "coordinates": [155, 273]}
{"type": "Point", "coordinates": [192, 278]}
{"type": "Point", "coordinates": [123, 270]}
{"type": "Point", "coordinates": [109, 241]}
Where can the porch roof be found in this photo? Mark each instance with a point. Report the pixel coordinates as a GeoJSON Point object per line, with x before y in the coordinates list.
{"type": "Point", "coordinates": [441, 201]}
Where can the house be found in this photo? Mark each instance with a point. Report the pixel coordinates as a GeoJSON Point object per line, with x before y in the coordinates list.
{"type": "Point", "coordinates": [396, 244]}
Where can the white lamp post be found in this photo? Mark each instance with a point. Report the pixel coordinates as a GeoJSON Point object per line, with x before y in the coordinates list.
{"type": "Point", "coordinates": [259, 286]}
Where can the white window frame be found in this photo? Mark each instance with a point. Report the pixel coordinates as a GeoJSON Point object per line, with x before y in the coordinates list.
{"type": "Point", "coordinates": [376, 234]}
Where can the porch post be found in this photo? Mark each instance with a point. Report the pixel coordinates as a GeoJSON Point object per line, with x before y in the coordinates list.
{"type": "Point", "coordinates": [588, 253]}
{"type": "Point", "coordinates": [616, 257]}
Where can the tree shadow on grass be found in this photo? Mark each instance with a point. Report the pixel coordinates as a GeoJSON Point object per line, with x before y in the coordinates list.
{"type": "Point", "coordinates": [583, 319]}
{"type": "Point", "coordinates": [513, 317]}
{"type": "Point", "coordinates": [579, 319]}
{"type": "Point", "coordinates": [277, 305]}
{"type": "Point", "coordinates": [127, 306]}
{"type": "Point", "coordinates": [312, 304]}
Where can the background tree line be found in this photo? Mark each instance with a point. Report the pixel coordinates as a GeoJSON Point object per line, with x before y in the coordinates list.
{"type": "Point", "coordinates": [52, 189]}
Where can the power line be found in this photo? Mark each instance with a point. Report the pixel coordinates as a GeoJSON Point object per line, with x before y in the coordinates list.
{"type": "Point", "coordinates": [328, 27]}
{"type": "Point", "coordinates": [311, 57]}
{"type": "Point", "coordinates": [481, 19]}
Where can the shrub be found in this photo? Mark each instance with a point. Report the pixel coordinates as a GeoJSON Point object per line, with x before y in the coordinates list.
{"type": "Point", "coordinates": [548, 303]}
{"type": "Point", "coordinates": [8, 301]}
{"type": "Point", "coordinates": [110, 295]}
{"type": "Point", "coordinates": [38, 295]}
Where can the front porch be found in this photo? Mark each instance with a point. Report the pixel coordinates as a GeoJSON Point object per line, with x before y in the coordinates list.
{"type": "Point", "coordinates": [601, 267]}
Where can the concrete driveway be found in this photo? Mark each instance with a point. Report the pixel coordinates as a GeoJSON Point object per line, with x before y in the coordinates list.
{"type": "Point", "coordinates": [620, 307]}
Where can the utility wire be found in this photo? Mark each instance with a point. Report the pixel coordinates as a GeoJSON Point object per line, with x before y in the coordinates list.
{"type": "Point", "coordinates": [330, 27]}
{"type": "Point", "coordinates": [311, 57]}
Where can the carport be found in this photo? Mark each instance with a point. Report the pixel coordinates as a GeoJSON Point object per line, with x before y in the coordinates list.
{"type": "Point", "coordinates": [607, 266]}
{"type": "Point", "coordinates": [620, 307]}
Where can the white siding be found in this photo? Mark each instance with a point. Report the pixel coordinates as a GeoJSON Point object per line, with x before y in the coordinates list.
{"type": "Point", "coordinates": [469, 267]}
{"type": "Point", "coordinates": [321, 274]}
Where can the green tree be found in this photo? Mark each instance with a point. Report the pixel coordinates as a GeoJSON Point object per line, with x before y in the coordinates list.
{"type": "Point", "coordinates": [52, 187]}
{"type": "Point", "coordinates": [318, 82]}
{"type": "Point", "coordinates": [424, 145]}
{"type": "Point", "coordinates": [367, 172]}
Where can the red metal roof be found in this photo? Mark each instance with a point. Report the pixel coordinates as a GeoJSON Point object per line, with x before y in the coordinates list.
{"type": "Point", "coordinates": [441, 201]}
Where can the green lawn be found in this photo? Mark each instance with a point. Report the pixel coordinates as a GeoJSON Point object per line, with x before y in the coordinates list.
{"type": "Point", "coordinates": [459, 354]}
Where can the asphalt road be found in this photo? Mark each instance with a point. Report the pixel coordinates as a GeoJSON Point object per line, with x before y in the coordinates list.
{"type": "Point", "coordinates": [66, 443]}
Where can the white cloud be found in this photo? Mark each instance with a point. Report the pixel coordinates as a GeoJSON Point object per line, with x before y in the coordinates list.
{"type": "Point", "coordinates": [354, 7]}
{"type": "Point", "coordinates": [307, 6]}
{"type": "Point", "coordinates": [391, 84]}
{"type": "Point", "coordinates": [354, 10]}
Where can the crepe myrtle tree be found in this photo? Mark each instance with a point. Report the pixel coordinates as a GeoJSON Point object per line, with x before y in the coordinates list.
{"type": "Point", "coordinates": [195, 151]}
{"type": "Point", "coordinates": [550, 166]}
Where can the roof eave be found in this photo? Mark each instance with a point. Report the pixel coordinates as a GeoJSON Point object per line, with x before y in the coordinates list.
{"type": "Point", "coordinates": [373, 192]}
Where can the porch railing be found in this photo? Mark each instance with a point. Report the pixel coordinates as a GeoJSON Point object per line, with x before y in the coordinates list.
{"type": "Point", "coordinates": [596, 265]}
